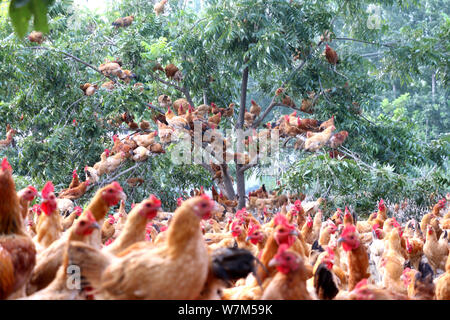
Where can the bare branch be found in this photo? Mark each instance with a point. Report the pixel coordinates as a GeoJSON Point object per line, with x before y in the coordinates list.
{"type": "Point", "coordinates": [177, 87]}
{"type": "Point", "coordinates": [389, 45]}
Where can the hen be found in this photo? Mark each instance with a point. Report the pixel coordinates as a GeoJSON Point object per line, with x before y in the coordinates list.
{"type": "Point", "coordinates": [17, 250]}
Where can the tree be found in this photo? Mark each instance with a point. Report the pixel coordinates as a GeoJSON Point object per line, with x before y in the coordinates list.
{"type": "Point", "coordinates": [232, 51]}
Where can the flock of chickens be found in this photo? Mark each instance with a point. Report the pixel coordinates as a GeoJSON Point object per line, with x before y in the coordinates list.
{"type": "Point", "coordinates": [204, 250]}
{"type": "Point", "coordinates": [278, 247]}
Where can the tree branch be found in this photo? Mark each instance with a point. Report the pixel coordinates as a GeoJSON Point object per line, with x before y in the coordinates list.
{"type": "Point", "coordinates": [177, 87]}
{"type": "Point", "coordinates": [389, 45]}
{"type": "Point", "coordinates": [272, 104]}
{"type": "Point", "coordinates": [74, 58]}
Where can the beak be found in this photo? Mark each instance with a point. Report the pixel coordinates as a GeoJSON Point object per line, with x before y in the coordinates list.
{"type": "Point", "coordinates": [248, 238]}
{"type": "Point", "coordinates": [95, 225]}
{"type": "Point", "coordinates": [273, 263]}
{"type": "Point", "coordinates": [293, 233]}
{"type": "Point", "coordinates": [123, 196]}
{"type": "Point", "coordinates": [340, 240]}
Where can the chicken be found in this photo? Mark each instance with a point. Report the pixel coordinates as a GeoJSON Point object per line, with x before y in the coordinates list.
{"type": "Point", "coordinates": [123, 22]}
{"type": "Point", "coordinates": [135, 225]}
{"type": "Point", "coordinates": [290, 281]}
{"type": "Point", "coordinates": [58, 289]}
{"type": "Point", "coordinates": [338, 139]}
{"type": "Point", "coordinates": [172, 72]}
{"type": "Point", "coordinates": [177, 269]}
{"type": "Point", "coordinates": [443, 283]}
{"type": "Point", "coordinates": [436, 251]}
{"type": "Point", "coordinates": [76, 192]}
{"type": "Point", "coordinates": [109, 85]}
{"type": "Point", "coordinates": [331, 55]}
{"type": "Point", "coordinates": [17, 250]}
{"type": "Point", "coordinates": [145, 140]}
{"type": "Point", "coordinates": [159, 7]}
{"type": "Point", "coordinates": [327, 124]}
{"type": "Point", "coordinates": [317, 141]}
{"type": "Point", "coordinates": [9, 138]}
{"type": "Point", "coordinates": [255, 109]}
{"type": "Point", "coordinates": [215, 119]}
{"type": "Point", "coordinates": [127, 75]}
{"type": "Point", "coordinates": [358, 260]}
{"type": "Point", "coordinates": [436, 212]}
{"type": "Point", "coordinates": [392, 263]}
{"type": "Point", "coordinates": [69, 220]}
{"type": "Point", "coordinates": [36, 36]}
{"type": "Point", "coordinates": [110, 68]}
{"type": "Point", "coordinates": [165, 101]}
{"type": "Point", "coordinates": [88, 89]}
{"type": "Point", "coordinates": [26, 195]}
{"type": "Point", "coordinates": [108, 229]}
{"type": "Point", "coordinates": [164, 132]}
{"type": "Point", "coordinates": [49, 228]}
{"type": "Point", "coordinates": [365, 291]}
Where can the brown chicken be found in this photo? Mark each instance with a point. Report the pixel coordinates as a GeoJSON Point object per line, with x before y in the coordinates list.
{"type": "Point", "coordinates": [317, 141]}
{"type": "Point", "coordinates": [331, 55]}
{"type": "Point", "coordinates": [290, 281]}
{"type": "Point", "coordinates": [176, 269]}
{"type": "Point", "coordinates": [36, 36]}
{"type": "Point", "coordinates": [76, 192]}
{"type": "Point", "coordinates": [108, 229]}
{"type": "Point", "coordinates": [49, 228]}
{"type": "Point", "coordinates": [338, 139]}
{"type": "Point", "coordinates": [255, 109]}
{"type": "Point", "coordinates": [88, 89]}
{"type": "Point", "coordinates": [123, 22]}
{"type": "Point", "coordinates": [436, 250]}
{"type": "Point", "coordinates": [443, 283]}
{"type": "Point", "coordinates": [159, 7]}
{"type": "Point", "coordinates": [172, 72]}
{"type": "Point", "coordinates": [69, 220]}
{"type": "Point", "coordinates": [9, 138]}
{"type": "Point", "coordinates": [17, 250]}
{"type": "Point", "coordinates": [358, 259]}
{"type": "Point", "coordinates": [26, 195]}
{"type": "Point", "coordinates": [135, 225]}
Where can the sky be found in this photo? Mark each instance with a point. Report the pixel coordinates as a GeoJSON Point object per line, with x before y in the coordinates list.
{"type": "Point", "coordinates": [99, 5]}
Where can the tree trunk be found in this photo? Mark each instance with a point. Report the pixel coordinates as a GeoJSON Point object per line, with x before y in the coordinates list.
{"type": "Point", "coordinates": [240, 177]}
{"type": "Point", "coordinates": [433, 87]}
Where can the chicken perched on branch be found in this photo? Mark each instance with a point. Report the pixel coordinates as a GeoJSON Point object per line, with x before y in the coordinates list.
{"type": "Point", "coordinates": [9, 138]}
{"type": "Point", "coordinates": [17, 250]}
{"type": "Point", "coordinates": [159, 7]}
{"type": "Point", "coordinates": [36, 36]}
{"type": "Point", "coordinates": [318, 140]}
{"type": "Point", "coordinates": [172, 72]}
{"type": "Point", "coordinates": [123, 22]}
{"type": "Point", "coordinates": [145, 274]}
{"type": "Point", "coordinates": [88, 89]}
{"type": "Point", "coordinates": [331, 55]}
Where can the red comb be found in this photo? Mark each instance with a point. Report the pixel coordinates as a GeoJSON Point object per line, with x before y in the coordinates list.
{"type": "Point", "coordinates": [5, 165]}
{"type": "Point", "coordinates": [48, 188]}
{"type": "Point", "coordinates": [282, 248]}
{"type": "Point", "coordinates": [375, 226]}
{"type": "Point", "coordinates": [348, 229]}
{"type": "Point", "coordinates": [117, 186]}
{"type": "Point", "coordinates": [155, 200]}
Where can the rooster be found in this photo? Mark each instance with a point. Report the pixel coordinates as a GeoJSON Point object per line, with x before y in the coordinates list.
{"type": "Point", "coordinates": [144, 274]}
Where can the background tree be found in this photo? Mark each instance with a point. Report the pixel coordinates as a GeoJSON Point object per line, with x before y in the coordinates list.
{"type": "Point", "coordinates": [234, 51]}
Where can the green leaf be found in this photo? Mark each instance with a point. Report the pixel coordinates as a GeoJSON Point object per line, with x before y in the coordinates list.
{"type": "Point", "coordinates": [20, 16]}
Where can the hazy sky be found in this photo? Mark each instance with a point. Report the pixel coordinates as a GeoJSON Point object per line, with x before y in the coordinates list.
{"type": "Point", "coordinates": [93, 4]}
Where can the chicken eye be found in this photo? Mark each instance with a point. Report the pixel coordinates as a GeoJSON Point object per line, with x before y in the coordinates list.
{"type": "Point", "coordinates": [82, 223]}
{"type": "Point", "coordinates": [111, 191]}
{"type": "Point", "coordinates": [148, 205]}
